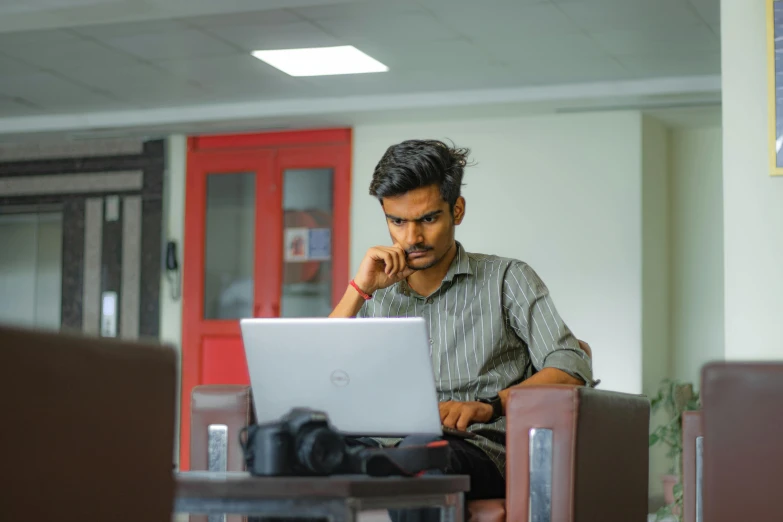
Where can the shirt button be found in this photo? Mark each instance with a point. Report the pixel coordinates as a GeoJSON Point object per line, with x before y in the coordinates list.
{"type": "Point", "coordinates": [429, 301]}
{"type": "Point", "coordinates": [432, 342]}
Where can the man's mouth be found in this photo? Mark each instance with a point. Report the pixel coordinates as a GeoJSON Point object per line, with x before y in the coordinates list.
{"type": "Point", "coordinates": [415, 254]}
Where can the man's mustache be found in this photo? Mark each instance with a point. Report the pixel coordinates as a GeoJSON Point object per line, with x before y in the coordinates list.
{"type": "Point", "coordinates": [418, 249]}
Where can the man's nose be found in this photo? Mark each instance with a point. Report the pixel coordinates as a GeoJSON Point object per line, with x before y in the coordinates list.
{"type": "Point", "coordinates": [413, 234]}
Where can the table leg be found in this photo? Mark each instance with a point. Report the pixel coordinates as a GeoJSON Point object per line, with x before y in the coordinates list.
{"type": "Point", "coordinates": [454, 508]}
{"type": "Point", "coordinates": [347, 512]}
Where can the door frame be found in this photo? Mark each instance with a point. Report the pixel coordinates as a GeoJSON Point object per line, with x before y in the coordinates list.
{"type": "Point", "coordinates": [329, 148]}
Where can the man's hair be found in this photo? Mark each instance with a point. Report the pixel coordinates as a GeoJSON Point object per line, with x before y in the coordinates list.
{"type": "Point", "coordinates": [414, 164]}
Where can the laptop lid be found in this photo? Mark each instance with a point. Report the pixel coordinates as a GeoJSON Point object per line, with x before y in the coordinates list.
{"type": "Point", "coordinates": [370, 376]}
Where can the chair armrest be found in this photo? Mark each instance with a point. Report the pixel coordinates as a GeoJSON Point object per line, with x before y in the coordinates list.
{"type": "Point", "coordinates": [217, 406]}
{"type": "Point", "coordinates": [692, 440]}
{"type": "Point", "coordinates": [597, 463]}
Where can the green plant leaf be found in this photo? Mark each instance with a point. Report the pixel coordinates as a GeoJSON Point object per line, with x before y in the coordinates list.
{"type": "Point", "coordinates": [677, 489]}
{"type": "Point", "coordinates": [663, 513]}
{"type": "Point", "coordinates": [654, 438]}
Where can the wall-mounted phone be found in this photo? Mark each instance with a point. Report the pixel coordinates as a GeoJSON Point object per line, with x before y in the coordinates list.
{"type": "Point", "coordinates": [172, 270]}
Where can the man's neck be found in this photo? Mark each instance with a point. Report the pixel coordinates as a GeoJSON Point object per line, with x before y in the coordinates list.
{"type": "Point", "coordinates": [425, 282]}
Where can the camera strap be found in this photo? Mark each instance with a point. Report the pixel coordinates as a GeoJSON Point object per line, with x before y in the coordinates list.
{"type": "Point", "coordinates": [408, 461]}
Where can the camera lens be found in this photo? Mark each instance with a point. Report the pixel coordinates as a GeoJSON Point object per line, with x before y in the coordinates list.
{"type": "Point", "coordinates": [321, 451]}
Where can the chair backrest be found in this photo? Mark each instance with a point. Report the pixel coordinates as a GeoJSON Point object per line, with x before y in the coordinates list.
{"type": "Point", "coordinates": [88, 428]}
{"type": "Point", "coordinates": [742, 418]}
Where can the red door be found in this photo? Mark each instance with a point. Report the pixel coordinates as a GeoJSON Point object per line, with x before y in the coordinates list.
{"type": "Point", "coordinates": [266, 235]}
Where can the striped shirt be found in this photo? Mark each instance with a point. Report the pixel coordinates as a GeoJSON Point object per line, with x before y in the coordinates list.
{"type": "Point", "coordinates": [492, 324]}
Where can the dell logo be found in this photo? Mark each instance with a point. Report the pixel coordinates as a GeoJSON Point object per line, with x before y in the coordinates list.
{"type": "Point", "coordinates": [340, 378]}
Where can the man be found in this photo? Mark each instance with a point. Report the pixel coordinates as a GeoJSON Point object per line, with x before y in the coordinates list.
{"type": "Point", "coordinates": [492, 323]}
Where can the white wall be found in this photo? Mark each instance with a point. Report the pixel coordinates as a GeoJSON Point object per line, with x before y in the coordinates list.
{"type": "Point", "coordinates": [560, 192]}
{"type": "Point", "coordinates": [696, 191]}
{"type": "Point", "coordinates": [656, 357]}
{"type": "Point", "coordinates": [753, 201]}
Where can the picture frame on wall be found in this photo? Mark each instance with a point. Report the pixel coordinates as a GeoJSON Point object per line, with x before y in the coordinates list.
{"type": "Point", "coordinates": [775, 78]}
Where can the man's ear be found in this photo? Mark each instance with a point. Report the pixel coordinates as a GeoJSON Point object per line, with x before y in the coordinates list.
{"type": "Point", "coordinates": [459, 210]}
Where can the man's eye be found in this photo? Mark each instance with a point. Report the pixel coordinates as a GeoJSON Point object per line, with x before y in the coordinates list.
{"type": "Point", "coordinates": [430, 219]}
{"type": "Point", "coordinates": [397, 222]}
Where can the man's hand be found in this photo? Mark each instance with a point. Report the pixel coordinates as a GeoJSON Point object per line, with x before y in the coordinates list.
{"type": "Point", "coordinates": [460, 415]}
{"type": "Point", "coordinates": [381, 268]}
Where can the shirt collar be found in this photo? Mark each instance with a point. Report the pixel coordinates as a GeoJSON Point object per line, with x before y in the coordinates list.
{"type": "Point", "coordinates": [460, 265]}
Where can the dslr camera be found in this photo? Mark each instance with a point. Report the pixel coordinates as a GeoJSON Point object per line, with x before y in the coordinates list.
{"type": "Point", "coordinates": [302, 443]}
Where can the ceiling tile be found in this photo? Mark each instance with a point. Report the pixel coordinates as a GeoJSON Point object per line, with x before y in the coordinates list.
{"type": "Point", "coordinates": [10, 65]}
{"type": "Point", "coordinates": [605, 15]}
{"type": "Point", "coordinates": [54, 36]}
{"type": "Point", "coordinates": [10, 109]}
{"type": "Point", "coordinates": [256, 19]}
{"type": "Point", "coordinates": [171, 45]}
{"type": "Point", "coordinates": [409, 56]}
{"type": "Point", "coordinates": [289, 36]}
{"type": "Point", "coordinates": [670, 42]}
{"type": "Point", "coordinates": [442, 79]}
{"type": "Point", "coordinates": [549, 72]}
{"type": "Point", "coordinates": [31, 6]}
{"type": "Point", "coordinates": [109, 31]}
{"type": "Point", "coordinates": [49, 91]}
{"type": "Point", "coordinates": [266, 88]}
{"type": "Point", "coordinates": [693, 64]}
{"type": "Point", "coordinates": [563, 48]}
{"type": "Point", "coordinates": [67, 55]}
{"type": "Point", "coordinates": [440, 6]}
{"type": "Point", "coordinates": [709, 10]}
{"type": "Point", "coordinates": [139, 83]}
{"type": "Point", "coordinates": [507, 21]}
{"type": "Point", "coordinates": [359, 12]}
{"type": "Point", "coordinates": [235, 75]}
{"type": "Point", "coordinates": [391, 29]}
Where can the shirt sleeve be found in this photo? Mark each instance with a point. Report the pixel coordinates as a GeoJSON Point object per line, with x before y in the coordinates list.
{"type": "Point", "coordinates": [531, 313]}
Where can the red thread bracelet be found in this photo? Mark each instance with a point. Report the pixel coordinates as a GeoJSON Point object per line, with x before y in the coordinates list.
{"type": "Point", "coordinates": [362, 293]}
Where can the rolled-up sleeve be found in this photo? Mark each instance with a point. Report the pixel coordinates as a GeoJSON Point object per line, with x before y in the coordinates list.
{"type": "Point", "coordinates": [531, 313]}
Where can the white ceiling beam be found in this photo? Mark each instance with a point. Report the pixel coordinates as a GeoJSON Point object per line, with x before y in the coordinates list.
{"type": "Point", "coordinates": [278, 110]}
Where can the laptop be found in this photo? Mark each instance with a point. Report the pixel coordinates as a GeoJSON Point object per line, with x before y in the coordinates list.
{"type": "Point", "coordinates": [372, 377]}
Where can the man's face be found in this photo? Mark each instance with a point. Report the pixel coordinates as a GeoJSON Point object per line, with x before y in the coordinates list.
{"type": "Point", "coordinates": [422, 223]}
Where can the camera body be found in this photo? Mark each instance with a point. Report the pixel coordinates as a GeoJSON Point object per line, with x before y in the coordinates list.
{"type": "Point", "coordinates": [302, 443]}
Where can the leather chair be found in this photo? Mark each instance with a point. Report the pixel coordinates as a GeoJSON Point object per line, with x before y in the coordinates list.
{"type": "Point", "coordinates": [574, 453]}
{"type": "Point", "coordinates": [742, 417]}
{"type": "Point", "coordinates": [88, 428]}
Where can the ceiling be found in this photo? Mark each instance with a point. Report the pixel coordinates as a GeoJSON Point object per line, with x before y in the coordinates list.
{"type": "Point", "coordinates": [76, 57]}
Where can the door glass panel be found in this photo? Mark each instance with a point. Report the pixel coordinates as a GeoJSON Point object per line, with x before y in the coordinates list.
{"type": "Point", "coordinates": [31, 269]}
{"type": "Point", "coordinates": [307, 262]}
{"type": "Point", "coordinates": [229, 245]}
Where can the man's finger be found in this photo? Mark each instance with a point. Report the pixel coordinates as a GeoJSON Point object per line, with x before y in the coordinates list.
{"type": "Point", "coordinates": [466, 416]}
{"type": "Point", "coordinates": [444, 408]}
{"type": "Point", "coordinates": [388, 260]}
{"type": "Point", "coordinates": [402, 259]}
{"type": "Point", "coordinates": [406, 272]}
{"type": "Point", "coordinates": [451, 419]}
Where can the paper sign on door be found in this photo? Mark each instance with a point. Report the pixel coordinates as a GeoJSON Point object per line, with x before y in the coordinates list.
{"type": "Point", "coordinates": [308, 244]}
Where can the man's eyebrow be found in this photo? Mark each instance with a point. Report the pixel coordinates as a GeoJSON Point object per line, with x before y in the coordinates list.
{"type": "Point", "coordinates": [425, 216]}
